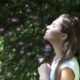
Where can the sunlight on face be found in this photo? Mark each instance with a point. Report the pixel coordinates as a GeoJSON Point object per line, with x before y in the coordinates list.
{"type": "Point", "coordinates": [53, 31]}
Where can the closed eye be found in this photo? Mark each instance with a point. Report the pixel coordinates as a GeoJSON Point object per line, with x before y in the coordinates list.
{"type": "Point", "coordinates": [53, 24]}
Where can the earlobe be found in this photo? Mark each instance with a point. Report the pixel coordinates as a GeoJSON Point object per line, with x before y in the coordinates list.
{"type": "Point", "coordinates": [64, 36]}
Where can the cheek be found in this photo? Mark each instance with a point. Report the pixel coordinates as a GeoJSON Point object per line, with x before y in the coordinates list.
{"type": "Point", "coordinates": [55, 34]}
{"type": "Point", "coordinates": [52, 36]}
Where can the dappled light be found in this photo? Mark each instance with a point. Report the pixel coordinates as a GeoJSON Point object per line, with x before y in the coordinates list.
{"type": "Point", "coordinates": [22, 27]}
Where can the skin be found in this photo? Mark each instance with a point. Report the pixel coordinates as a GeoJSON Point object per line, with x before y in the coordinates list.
{"type": "Point", "coordinates": [56, 38]}
{"type": "Point", "coordinates": [67, 74]}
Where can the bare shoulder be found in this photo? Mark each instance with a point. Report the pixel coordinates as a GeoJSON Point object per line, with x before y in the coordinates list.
{"type": "Point", "coordinates": [67, 74]}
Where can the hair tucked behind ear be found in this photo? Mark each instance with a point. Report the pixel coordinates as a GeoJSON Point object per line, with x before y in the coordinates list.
{"type": "Point", "coordinates": [69, 26]}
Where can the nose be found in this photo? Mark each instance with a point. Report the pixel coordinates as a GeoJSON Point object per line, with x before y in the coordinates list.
{"type": "Point", "coordinates": [48, 26]}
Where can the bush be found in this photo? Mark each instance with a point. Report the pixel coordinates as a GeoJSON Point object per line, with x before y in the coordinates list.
{"type": "Point", "coordinates": [22, 26]}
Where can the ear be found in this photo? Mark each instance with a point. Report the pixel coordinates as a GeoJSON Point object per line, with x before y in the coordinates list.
{"type": "Point", "coordinates": [64, 36]}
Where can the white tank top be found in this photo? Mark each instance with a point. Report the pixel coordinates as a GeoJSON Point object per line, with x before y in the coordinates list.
{"type": "Point", "coordinates": [72, 64]}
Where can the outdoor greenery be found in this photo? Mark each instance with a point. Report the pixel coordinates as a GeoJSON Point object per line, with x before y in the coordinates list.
{"type": "Point", "coordinates": [22, 26]}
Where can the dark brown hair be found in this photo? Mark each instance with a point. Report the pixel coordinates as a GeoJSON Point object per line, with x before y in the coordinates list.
{"type": "Point", "coordinates": [70, 26]}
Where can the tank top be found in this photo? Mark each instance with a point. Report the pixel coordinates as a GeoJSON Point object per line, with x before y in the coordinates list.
{"type": "Point", "coordinates": [72, 64]}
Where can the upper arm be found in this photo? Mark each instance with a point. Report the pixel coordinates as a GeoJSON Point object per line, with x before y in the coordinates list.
{"type": "Point", "coordinates": [67, 74]}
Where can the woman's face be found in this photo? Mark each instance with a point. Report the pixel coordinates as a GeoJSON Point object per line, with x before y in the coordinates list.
{"type": "Point", "coordinates": [53, 32]}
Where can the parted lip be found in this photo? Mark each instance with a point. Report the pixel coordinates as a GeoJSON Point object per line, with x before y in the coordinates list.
{"type": "Point", "coordinates": [46, 32]}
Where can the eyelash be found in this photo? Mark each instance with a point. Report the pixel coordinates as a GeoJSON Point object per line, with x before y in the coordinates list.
{"type": "Point", "coordinates": [53, 25]}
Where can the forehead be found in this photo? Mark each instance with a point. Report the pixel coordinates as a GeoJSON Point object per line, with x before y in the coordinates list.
{"type": "Point", "coordinates": [58, 21]}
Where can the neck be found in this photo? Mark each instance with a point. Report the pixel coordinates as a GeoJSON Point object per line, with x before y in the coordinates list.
{"type": "Point", "coordinates": [58, 49]}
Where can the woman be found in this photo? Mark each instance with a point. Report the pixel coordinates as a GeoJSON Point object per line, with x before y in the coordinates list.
{"type": "Point", "coordinates": [62, 35]}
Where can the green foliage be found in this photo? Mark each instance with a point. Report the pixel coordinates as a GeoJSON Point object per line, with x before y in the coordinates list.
{"type": "Point", "coordinates": [22, 26]}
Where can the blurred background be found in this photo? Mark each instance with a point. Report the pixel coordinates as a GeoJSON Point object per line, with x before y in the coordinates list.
{"type": "Point", "coordinates": [22, 27]}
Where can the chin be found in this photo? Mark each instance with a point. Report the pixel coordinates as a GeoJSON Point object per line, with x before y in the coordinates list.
{"type": "Point", "coordinates": [46, 38]}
